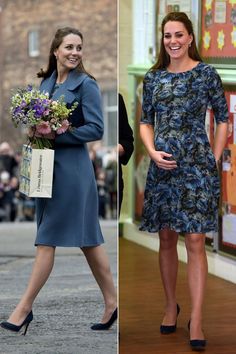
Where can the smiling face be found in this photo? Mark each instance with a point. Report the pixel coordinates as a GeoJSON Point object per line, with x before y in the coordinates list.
{"type": "Point", "coordinates": [176, 40]}
{"type": "Point", "coordinates": [69, 53]}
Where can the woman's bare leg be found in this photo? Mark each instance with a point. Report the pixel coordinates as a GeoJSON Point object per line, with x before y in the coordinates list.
{"type": "Point", "coordinates": [41, 270]}
{"type": "Point", "coordinates": [168, 260]}
{"type": "Point", "coordinates": [197, 274]}
{"type": "Point", "coordinates": [99, 264]}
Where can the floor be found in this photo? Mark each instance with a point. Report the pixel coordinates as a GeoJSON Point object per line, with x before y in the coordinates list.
{"type": "Point", "coordinates": [142, 302]}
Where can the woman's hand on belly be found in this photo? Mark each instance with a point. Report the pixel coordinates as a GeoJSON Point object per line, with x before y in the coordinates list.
{"type": "Point", "coordinates": [163, 160]}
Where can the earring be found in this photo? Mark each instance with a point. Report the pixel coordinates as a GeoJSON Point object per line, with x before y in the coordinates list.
{"type": "Point", "coordinates": [190, 44]}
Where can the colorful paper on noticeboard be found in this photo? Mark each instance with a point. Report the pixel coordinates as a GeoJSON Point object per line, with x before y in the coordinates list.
{"type": "Point", "coordinates": [229, 178]}
{"type": "Point", "coordinates": [218, 29]}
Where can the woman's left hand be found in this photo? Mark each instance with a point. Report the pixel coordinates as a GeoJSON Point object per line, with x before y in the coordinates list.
{"type": "Point", "coordinates": [33, 133]}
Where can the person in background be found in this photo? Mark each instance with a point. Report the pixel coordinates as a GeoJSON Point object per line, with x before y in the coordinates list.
{"type": "Point", "coordinates": [7, 160]}
{"type": "Point", "coordinates": [182, 188]}
{"type": "Point", "coordinates": [70, 217]}
{"type": "Point", "coordinates": [8, 188]}
{"type": "Point", "coordinates": [102, 194]}
{"type": "Point", "coordinates": [126, 144]}
{"type": "Point", "coordinates": [111, 183]}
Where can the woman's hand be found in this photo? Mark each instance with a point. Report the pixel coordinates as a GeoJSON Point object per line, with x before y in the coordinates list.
{"type": "Point", "coordinates": [46, 136]}
{"type": "Point", "coordinates": [160, 158]}
{"type": "Point", "coordinates": [121, 150]}
{"type": "Point", "coordinates": [220, 140]}
{"type": "Point", "coordinates": [33, 133]}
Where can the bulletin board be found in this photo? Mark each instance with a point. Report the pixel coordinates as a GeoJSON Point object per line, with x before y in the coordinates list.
{"type": "Point", "coordinates": [210, 130]}
{"type": "Point", "coordinates": [218, 32]}
{"type": "Point", "coordinates": [227, 172]}
{"type": "Point", "coordinates": [228, 180]}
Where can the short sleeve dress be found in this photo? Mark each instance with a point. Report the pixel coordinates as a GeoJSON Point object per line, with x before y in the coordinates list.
{"type": "Point", "coordinates": [184, 199]}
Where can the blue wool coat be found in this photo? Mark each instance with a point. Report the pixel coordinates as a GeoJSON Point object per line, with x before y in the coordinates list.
{"type": "Point", "coordinates": [70, 217]}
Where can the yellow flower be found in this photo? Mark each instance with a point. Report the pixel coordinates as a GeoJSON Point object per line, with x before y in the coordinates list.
{"type": "Point", "coordinates": [207, 40]}
{"type": "Point", "coordinates": [221, 39]}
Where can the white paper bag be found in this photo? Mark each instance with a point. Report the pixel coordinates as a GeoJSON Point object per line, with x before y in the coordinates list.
{"type": "Point", "coordinates": [36, 172]}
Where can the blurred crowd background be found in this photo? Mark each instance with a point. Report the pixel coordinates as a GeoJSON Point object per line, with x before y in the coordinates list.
{"type": "Point", "coordinates": [14, 206]}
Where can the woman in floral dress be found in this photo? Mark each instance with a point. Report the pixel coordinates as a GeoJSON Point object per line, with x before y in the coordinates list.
{"type": "Point", "coordinates": [182, 188]}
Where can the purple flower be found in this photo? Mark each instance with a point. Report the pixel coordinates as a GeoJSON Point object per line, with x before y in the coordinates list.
{"type": "Point", "coordinates": [17, 111]}
{"type": "Point", "coordinates": [23, 104]}
{"type": "Point", "coordinates": [39, 110]}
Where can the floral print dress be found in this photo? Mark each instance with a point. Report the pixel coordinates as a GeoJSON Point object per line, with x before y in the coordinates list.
{"type": "Point", "coordinates": [184, 199]}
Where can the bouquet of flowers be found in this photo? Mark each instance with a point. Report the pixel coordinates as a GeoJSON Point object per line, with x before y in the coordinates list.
{"type": "Point", "coordinates": [44, 117]}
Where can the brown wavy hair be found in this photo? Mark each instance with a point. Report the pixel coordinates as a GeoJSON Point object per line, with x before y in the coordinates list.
{"type": "Point", "coordinates": [163, 58]}
{"type": "Point", "coordinates": [56, 42]}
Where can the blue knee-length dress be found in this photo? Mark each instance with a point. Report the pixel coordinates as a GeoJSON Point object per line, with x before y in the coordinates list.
{"type": "Point", "coordinates": [184, 199]}
{"type": "Point", "coordinates": [70, 217]}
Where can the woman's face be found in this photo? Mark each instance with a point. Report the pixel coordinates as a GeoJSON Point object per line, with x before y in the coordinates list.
{"type": "Point", "coordinates": [69, 53]}
{"type": "Point", "coordinates": [176, 39]}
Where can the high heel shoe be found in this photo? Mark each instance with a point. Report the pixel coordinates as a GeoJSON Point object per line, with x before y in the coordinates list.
{"type": "Point", "coordinates": [197, 345]}
{"type": "Point", "coordinates": [170, 329]}
{"type": "Point", "coordinates": [108, 324]}
{"type": "Point", "coordinates": [15, 328]}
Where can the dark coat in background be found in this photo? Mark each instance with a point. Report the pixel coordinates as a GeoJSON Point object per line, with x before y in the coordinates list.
{"type": "Point", "coordinates": [70, 217]}
{"type": "Point", "coordinates": [126, 139]}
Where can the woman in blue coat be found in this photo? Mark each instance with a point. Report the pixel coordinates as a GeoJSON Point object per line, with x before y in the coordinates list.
{"type": "Point", "coordinates": [70, 217]}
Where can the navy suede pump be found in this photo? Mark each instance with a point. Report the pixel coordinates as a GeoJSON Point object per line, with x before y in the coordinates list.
{"type": "Point", "coordinates": [14, 328]}
{"type": "Point", "coordinates": [108, 324]}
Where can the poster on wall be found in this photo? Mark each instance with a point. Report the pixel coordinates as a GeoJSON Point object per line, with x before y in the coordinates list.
{"type": "Point", "coordinates": [228, 232]}
{"type": "Point", "coordinates": [219, 31]}
{"type": "Point", "coordinates": [210, 129]}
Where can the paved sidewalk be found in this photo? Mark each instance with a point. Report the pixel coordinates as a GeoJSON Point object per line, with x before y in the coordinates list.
{"type": "Point", "coordinates": [67, 305]}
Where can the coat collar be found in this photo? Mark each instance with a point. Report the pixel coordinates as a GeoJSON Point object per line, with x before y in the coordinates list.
{"type": "Point", "coordinates": [73, 81]}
